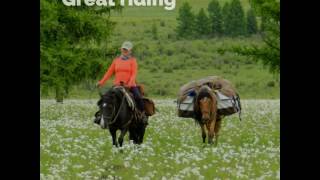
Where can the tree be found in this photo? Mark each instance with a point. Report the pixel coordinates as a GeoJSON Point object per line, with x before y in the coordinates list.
{"type": "Point", "coordinates": [262, 25]}
{"type": "Point", "coordinates": [252, 27]}
{"type": "Point", "coordinates": [237, 19]}
{"type": "Point", "coordinates": [215, 16]}
{"type": "Point", "coordinates": [72, 44]}
{"type": "Point", "coordinates": [226, 14]}
{"type": "Point", "coordinates": [154, 31]}
{"type": "Point", "coordinates": [186, 21]}
{"type": "Point", "coordinates": [202, 23]}
{"type": "Point", "coordinates": [269, 52]}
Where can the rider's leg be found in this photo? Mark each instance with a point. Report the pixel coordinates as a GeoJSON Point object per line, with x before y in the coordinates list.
{"type": "Point", "coordinates": [138, 98]}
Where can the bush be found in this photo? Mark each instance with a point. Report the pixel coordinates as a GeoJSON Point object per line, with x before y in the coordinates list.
{"type": "Point", "coordinates": [217, 66]}
{"type": "Point", "coordinates": [249, 67]}
{"type": "Point", "coordinates": [235, 72]}
{"type": "Point", "coordinates": [167, 70]}
{"type": "Point", "coordinates": [161, 90]}
{"type": "Point", "coordinates": [226, 62]}
{"type": "Point", "coordinates": [177, 66]}
{"type": "Point", "coordinates": [221, 51]}
{"type": "Point", "coordinates": [170, 52]}
{"type": "Point", "coordinates": [171, 36]}
{"type": "Point", "coordinates": [239, 84]}
{"type": "Point", "coordinates": [162, 24]}
{"type": "Point", "coordinates": [153, 69]}
{"type": "Point", "coordinates": [147, 31]}
{"type": "Point", "coordinates": [271, 84]}
{"type": "Point", "coordinates": [154, 31]}
{"type": "Point", "coordinates": [194, 55]}
{"type": "Point", "coordinates": [160, 49]}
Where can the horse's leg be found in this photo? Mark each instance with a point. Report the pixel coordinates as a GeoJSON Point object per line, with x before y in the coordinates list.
{"type": "Point", "coordinates": [217, 129]}
{"type": "Point", "coordinates": [123, 133]}
{"type": "Point", "coordinates": [141, 134]}
{"type": "Point", "coordinates": [113, 133]}
{"type": "Point", "coordinates": [131, 133]}
{"type": "Point", "coordinates": [203, 131]}
{"type": "Point", "coordinates": [209, 133]}
{"type": "Point", "coordinates": [211, 126]}
{"type": "Point", "coordinates": [143, 131]}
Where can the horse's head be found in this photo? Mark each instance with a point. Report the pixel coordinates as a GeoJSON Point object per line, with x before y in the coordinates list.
{"type": "Point", "coordinates": [108, 105]}
{"type": "Point", "coordinates": [205, 104]}
{"type": "Point", "coordinates": [205, 107]}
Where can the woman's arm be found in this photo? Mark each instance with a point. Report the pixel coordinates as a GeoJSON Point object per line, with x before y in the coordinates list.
{"type": "Point", "coordinates": [108, 74]}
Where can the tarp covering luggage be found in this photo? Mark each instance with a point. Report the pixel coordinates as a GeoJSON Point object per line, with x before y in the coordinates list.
{"type": "Point", "coordinates": [227, 97]}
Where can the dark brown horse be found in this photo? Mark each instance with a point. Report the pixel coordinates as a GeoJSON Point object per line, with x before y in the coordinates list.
{"type": "Point", "coordinates": [115, 113]}
{"type": "Point", "coordinates": [205, 108]}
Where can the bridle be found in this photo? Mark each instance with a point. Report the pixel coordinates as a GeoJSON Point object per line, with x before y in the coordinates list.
{"type": "Point", "coordinates": [114, 111]}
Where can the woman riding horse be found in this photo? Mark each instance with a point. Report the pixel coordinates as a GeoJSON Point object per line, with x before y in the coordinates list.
{"type": "Point", "coordinates": [114, 111]}
{"type": "Point", "coordinates": [125, 68]}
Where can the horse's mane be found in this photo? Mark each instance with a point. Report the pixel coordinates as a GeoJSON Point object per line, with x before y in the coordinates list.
{"type": "Point", "coordinates": [107, 96]}
{"type": "Point", "coordinates": [203, 92]}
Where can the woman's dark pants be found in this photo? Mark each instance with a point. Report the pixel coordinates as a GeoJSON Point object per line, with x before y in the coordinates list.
{"type": "Point", "coordinates": [138, 98]}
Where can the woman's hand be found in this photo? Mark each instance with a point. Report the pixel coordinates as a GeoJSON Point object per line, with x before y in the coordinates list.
{"type": "Point", "coordinates": [98, 84]}
{"type": "Point", "coordinates": [131, 83]}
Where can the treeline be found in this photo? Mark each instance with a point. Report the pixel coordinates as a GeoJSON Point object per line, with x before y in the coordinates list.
{"type": "Point", "coordinates": [228, 20]}
{"type": "Point", "coordinates": [269, 52]}
{"type": "Point", "coordinates": [73, 42]}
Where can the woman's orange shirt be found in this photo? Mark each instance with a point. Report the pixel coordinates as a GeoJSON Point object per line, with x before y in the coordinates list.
{"type": "Point", "coordinates": [125, 71]}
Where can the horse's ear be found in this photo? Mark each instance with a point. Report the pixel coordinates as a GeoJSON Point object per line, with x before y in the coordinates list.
{"type": "Point", "coordinates": [100, 93]}
{"type": "Point", "coordinates": [99, 102]}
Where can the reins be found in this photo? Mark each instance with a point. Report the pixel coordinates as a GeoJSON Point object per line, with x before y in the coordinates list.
{"type": "Point", "coordinates": [114, 119]}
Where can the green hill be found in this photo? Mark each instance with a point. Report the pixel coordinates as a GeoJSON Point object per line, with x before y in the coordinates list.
{"type": "Point", "coordinates": [133, 12]}
{"type": "Point", "coordinates": [165, 62]}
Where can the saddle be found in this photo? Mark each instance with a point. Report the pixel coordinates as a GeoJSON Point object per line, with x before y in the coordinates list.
{"type": "Point", "coordinates": [149, 106]}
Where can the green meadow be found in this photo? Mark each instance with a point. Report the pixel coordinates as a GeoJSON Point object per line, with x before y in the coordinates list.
{"type": "Point", "coordinates": [73, 147]}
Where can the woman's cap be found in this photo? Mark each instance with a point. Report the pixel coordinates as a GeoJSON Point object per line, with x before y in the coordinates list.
{"type": "Point", "coordinates": [127, 45]}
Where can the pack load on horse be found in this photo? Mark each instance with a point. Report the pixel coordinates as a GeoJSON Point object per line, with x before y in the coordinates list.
{"type": "Point", "coordinates": [228, 100]}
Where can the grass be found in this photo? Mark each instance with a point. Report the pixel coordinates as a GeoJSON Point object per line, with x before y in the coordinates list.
{"type": "Point", "coordinates": [73, 147]}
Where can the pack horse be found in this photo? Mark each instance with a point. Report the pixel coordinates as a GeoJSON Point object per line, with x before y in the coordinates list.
{"type": "Point", "coordinates": [207, 101]}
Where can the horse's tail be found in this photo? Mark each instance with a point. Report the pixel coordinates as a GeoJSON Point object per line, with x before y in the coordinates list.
{"type": "Point", "coordinates": [197, 120]}
{"type": "Point", "coordinates": [240, 108]}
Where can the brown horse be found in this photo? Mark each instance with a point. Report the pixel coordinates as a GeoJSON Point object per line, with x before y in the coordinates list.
{"type": "Point", "coordinates": [205, 108]}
